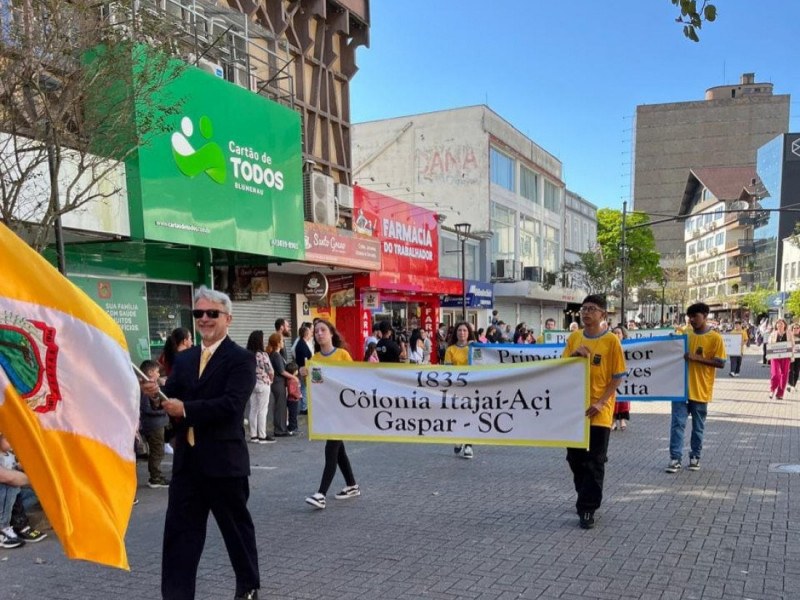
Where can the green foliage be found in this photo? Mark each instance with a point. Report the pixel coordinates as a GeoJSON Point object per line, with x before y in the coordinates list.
{"type": "Point", "coordinates": [793, 303]}
{"type": "Point", "coordinates": [756, 301]}
{"type": "Point", "coordinates": [642, 258]}
{"type": "Point", "coordinates": [692, 18]}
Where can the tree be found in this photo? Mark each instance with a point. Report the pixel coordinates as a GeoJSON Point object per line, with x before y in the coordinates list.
{"type": "Point", "coordinates": [57, 149]}
{"type": "Point", "coordinates": [692, 19]}
{"type": "Point", "coordinates": [592, 271]}
{"type": "Point", "coordinates": [792, 305]}
{"type": "Point", "coordinates": [757, 300]}
{"type": "Point", "coordinates": [642, 258]}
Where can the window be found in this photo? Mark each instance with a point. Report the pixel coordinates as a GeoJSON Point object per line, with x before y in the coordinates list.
{"type": "Point", "coordinates": [701, 270]}
{"type": "Point", "coordinates": [551, 197]}
{"type": "Point", "coordinates": [794, 271]}
{"type": "Point", "coordinates": [712, 266]}
{"type": "Point", "coordinates": [502, 169]}
{"type": "Point", "coordinates": [503, 220]}
{"type": "Point", "coordinates": [719, 239]}
{"type": "Point", "coordinates": [693, 272]}
{"type": "Point", "coordinates": [529, 238]}
{"type": "Point", "coordinates": [551, 249]}
{"type": "Point", "coordinates": [691, 248]}
{"type": "Point", "coordinates": [529, 184]}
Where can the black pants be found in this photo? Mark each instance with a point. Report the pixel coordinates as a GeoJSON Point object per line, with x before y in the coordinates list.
{"type": "Point", "coordinates": [191, 497]}
{"type": "Point", "coordinates": [589, 469]}
{"type": "Point", "coordinates": [736, 364]}
{"type": "Point", "coordinates": [291, 408]}
{"type": "Point", "coordinates": [335, 455]}
{"type": "Point", "coordinates": [794, 372]}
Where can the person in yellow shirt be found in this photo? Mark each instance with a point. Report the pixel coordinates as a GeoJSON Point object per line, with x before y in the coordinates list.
{"type": "Point", "coordinates": [606, 369]}
{"type": "Point", "coordinates": [330, 347]}
{"type": "Point", "coordinates": [457, 353]}
{"type": "Point", "coordinates": [549, 325]}
{"type": "Point", "coordinates": [706, 354]}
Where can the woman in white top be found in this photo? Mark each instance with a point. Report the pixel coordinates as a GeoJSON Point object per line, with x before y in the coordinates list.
{"type": "Point", "coordinates": [416, 347]}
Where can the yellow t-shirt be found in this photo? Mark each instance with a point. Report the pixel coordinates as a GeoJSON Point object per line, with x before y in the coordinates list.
{"type": "Point", "coordinates": [338, 355]}
{"type": "Point", "coordinates": [606, 362]}
{"type": "Point", "coordinates": [701, 377]}
{"type": "Point", "coordinates": [455, 355]}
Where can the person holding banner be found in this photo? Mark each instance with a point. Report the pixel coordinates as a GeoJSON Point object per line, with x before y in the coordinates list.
{"type": "Point", "coordinates": [736, 361]}
{"type": "Point", "coordinates": [706, 354]}
{"type": "Point", "coordinates": [779, 363]}
{"type": "Point", "coordinates": [457, 353]}
{"type": "Point", "coordinates": [330, 347]}
{"type": "Point", "coordinates": [607, 368]}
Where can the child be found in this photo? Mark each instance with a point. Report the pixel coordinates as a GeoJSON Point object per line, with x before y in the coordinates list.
{"type": "Point", "coordinates": [293, 395]}
{"type": "Point", "coordinates": [15, 495]}
{"type": "Point", "coordinates": [371, 354]}
{"type": "Point", "coordinates": [152, 420]}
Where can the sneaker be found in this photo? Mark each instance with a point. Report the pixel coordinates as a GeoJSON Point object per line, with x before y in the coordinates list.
{"type": "Point", "coordinates": [467, 451]}
{"type": "Point", "coordinates": [734, 374]}
{"type": "Point", "coordinates": [457, 449]}
{"type": "Point", "coordinates": [31, 535]}
{"type": "Point", "coordinates": [158, 483]}
{"type": "Point", "coordinates": [253, 440]}
{"type": "Point", "coordinates": [9, 539]}
{"type": "Point", "coordinates": [135, 501]}
{"type": "Point", "coordinates": [674, 466]}
{"type": "Point", "coordinates": [694, 464]}
{"type": "Point", "coordinates": [267, 440]}
{"type": "Point", "coordinates": [317, 500]}
{"type": "Point", "coordinates": [251, 595]}
{"type": "Point", "coordinates": [348, 492]}
{"type": "Point", "coordinates": [586, 520]}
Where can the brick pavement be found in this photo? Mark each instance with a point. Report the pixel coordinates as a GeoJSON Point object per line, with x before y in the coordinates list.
{"type": "Point", "coordinates": [499, 527]}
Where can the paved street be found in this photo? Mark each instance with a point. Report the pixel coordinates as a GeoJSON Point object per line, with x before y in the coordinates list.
{"type": "Point", "coordinates": [500, 527]}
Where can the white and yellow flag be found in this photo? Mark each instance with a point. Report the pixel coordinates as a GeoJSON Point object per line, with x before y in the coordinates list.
{"type": "Point", "coordinates": [69, 403]}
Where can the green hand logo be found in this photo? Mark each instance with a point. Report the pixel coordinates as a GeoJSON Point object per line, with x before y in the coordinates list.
{"type": "Point", "coordinates": [208, 159]}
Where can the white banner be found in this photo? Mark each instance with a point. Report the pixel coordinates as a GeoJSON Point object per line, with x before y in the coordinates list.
{"type": "Point", "coordinates": [733, 344]}
{"type": "Point", "coordinates": [532, 404]}
{"type": "Point", "coordinates": [656, 367]}
{"type": "Point", "coordinates": [552, 336]}
{"type": "Point", "coordinates": [635, 334]}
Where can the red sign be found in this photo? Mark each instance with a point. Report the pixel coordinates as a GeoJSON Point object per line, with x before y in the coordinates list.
{"type": "Point", "coordinates": [329, 245]}
{"type": "Point", "coordinates": [408, 234]}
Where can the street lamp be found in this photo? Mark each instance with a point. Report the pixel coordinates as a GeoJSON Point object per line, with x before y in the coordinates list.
{"type": "Point", "coordinates": [663, 290]}
{"type": "Point", "coordinates": [462, 231]}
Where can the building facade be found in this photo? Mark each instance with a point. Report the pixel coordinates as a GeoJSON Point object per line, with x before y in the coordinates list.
{"type": "Point", "coordinates": [724, 129]}
{"type": "Point", "coordinates": [580, 226]}
{"type": "Point", "coordinates": [471, 166]}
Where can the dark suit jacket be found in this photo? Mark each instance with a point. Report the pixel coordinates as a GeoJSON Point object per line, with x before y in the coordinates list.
{"type": "Point", "coordinates": [214, 406]}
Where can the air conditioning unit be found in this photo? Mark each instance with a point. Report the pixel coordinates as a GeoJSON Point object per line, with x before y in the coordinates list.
{"type": "Point", "coordinates": [713, 250]}
{"type": "Point", "coordinates": [505, 269]}
{"type": "Point", "coordinates": [532, 274]}
{"type": "Point", "coordinates": [239, 75]}
{"type": "Point", "coordinates": [344, 195]}
{"type": "Point", "coordinates": [320, 202]}
{"type": "Point", "coordinates": [211, 67]}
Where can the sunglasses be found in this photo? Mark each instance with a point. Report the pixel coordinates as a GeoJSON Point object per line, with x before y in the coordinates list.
{"type": "Point", "coordinates": [211, 313]}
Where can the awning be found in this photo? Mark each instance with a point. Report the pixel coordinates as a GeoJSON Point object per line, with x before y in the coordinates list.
{"type": "Point", "coordinates": [403, 282]}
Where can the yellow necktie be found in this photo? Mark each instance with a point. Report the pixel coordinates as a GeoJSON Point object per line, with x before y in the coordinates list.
{"type": "Point", "coordinates": [205, 356]}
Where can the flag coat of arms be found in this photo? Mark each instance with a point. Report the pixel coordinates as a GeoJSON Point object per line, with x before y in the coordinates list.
{"type": "Point", "coordinates": [69, 403]}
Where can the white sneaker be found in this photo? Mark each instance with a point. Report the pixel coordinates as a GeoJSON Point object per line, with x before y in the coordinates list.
{"type": "Point", "coordinates": [317, 500]}
{"type": "Point", "coordinates": [467, 451]}
{"type": "Point", "coordinates": [348, 492]}
{"type": "Point", "coordinates": [9, 538]}
{"type": "Point", "coordinates": [674, 466]}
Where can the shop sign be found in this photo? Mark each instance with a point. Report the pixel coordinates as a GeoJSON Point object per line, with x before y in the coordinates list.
{"type": "Point", "coordinates": [332, 246]}
{"type": "Point", "coordinates": [480, 294]}
{"type": "Point", "coordinates": [366, 323]}
{"type": "Point", "coordinates": [227, 174]}
{"type": "Point", "coordinates": [315, 286]}
{"type": "Point", "coordinates": [341, 290]}
{"type": "Point", "coordinates": [125, 300]}
{"type": "Point", "coordinates": [408, 234]}
{"type": "Point", "coordinates": [371, 300]}
{"type": "Point", "coordinates": [250, 283]}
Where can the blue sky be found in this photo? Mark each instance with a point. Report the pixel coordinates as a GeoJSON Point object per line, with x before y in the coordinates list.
{"type": "Point", "coordinates": [568, 74]}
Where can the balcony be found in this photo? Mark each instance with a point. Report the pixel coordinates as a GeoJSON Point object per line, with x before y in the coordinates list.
{"type": "Point", "coordinates": [746, 246]}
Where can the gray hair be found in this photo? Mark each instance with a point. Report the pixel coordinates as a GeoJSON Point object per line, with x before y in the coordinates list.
{"type": "Point", "coordinates": [214, 296]}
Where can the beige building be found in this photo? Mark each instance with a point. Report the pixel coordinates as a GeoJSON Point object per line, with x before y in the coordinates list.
{"type": "Point", "coordinates": [724, 129]}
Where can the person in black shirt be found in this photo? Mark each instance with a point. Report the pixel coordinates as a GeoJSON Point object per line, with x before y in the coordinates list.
{"type": "Point", "coordinates": [388, 350]}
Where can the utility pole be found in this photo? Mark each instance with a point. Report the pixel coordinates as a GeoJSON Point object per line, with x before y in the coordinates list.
{"type": "Point", "coordinates": [623, 260]}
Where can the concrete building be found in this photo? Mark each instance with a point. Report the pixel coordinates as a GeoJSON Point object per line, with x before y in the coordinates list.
{"type": "Point", "coordinates": [580, 226]}
{"type": "Point", "coordinates": [719, 242]}
{"type": "Point", "coordinates": [472, 166]}
{"type": "Point", "coordinates": [724, 129]}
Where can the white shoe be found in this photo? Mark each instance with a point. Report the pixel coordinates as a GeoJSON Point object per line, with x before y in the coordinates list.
{"type": "Point", "coordinates": [317, 500]}
{"type": "Point", "coordinates": [467, 451]}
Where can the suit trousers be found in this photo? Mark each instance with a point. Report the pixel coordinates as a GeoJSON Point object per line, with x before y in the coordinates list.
{"type": "Point", "coordinates": [192, 496]}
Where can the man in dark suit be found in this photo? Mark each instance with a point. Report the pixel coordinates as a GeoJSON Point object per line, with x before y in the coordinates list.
{"type": "Point", "coordinates": [208, 388]}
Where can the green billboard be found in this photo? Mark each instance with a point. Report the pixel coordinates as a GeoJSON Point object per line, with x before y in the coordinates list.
{"type": "Point", "coordinates": [227, 175]}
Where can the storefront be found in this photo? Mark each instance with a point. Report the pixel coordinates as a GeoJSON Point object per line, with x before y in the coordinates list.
{"type": "Point", "coordinates": [407, 289]}
{"type": "Point", "coordinates": [214, 199]}
{"type": "Point", "coordinates": [479, 303]}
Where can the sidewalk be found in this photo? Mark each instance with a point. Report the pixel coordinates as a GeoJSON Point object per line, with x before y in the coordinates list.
{"type": "Point", "coordinates": [501, 526]}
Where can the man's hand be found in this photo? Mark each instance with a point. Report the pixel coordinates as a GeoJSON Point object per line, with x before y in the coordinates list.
{"type": "Point", "coordinates": [582, 351]}
{"type": "Point", "coordinates": [173, 407]}
{"type": "Point", "coordinates": [595, 409]}
{"type": "Point", "coordinates": [149, 388]}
